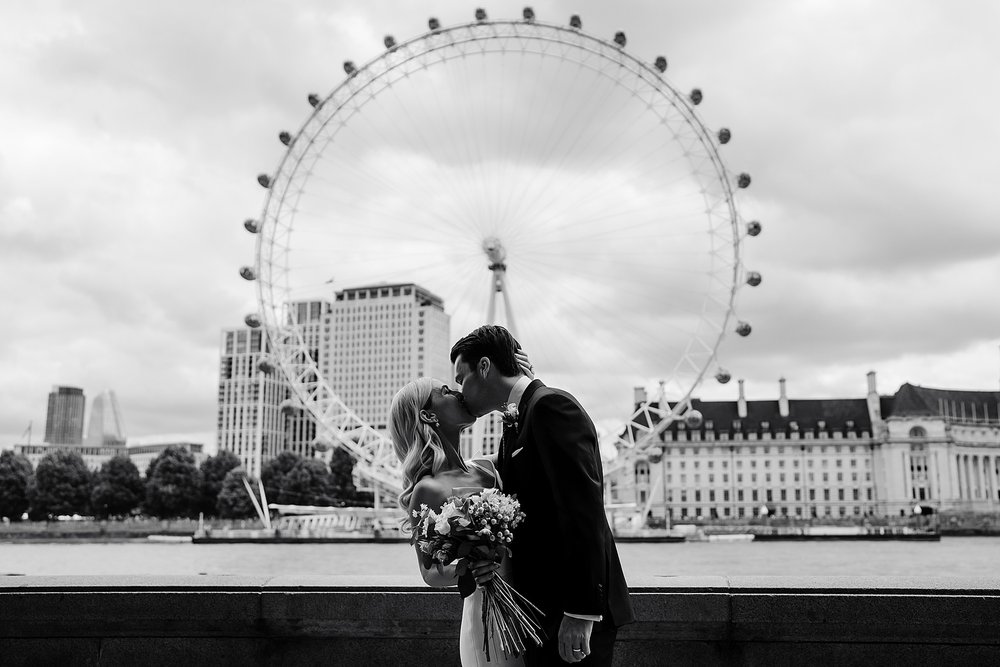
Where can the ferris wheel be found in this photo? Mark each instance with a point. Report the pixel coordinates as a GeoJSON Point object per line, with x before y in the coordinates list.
{"type": "Point", "coordinates": [516, 160]}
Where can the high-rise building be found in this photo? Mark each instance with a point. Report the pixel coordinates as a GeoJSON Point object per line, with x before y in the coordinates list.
{"type": "Point", "coordinates": [250, 422]}
{"type": "Point", "coordinates": [367, 343]}
{"type": "Point", "coordinates": [313, 321]}
{"type": "Point", "coordinates": [382, 337]}
{"type": "Point", "coordinates": [105, 425]}
{"type": "Point", "coordinates": [64, 419]}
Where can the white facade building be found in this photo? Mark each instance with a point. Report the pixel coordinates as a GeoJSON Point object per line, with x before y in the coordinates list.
{"type": "Point", "coordinates": [250, 421]}
{"type": "Point", "coordinates": [382, 337]}
{"type": "Point", "coordinates": [828, 458]}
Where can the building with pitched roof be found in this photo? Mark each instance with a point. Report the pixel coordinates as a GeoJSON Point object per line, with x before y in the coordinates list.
{"type": "Point", "coordinates": [938, 449]}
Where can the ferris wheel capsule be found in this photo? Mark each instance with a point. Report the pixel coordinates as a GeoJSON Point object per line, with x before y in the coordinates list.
{"type": "Point", "coordinates": [620, 39]}
{"type": "Point", "coordinates": [252, 320]}
{"type": "Point", "coordinates": [247, 273]}
{"type": "Point", "coordinates": [753, 228]}
{"type": "Point", "coordinates": [743, 329]}
{"type": "Point", "coordinates": [655, 454]}
{"type": "Point", "coordinates": [693, 419]}
{"type": "Point", "coordinates": [725, 135]}
{"type": "Point", "coordinates": [575, 22]}
{"type": "Point", "coordinates": [285, 137]}
{"type": "Point", "coordinates": [389, 41]}
{"type": "Point", "coordinates": [350, 68]}
{"type": "Point", "coordinates": [433, 24]}
{"type": "Point", "coordinates": [528, 14]}
{"type": "Point", "coordinates": [265, 366]}
{"type": "Point", "coordinates": [313, 100]}
{"type": "Point", "coordinates": [480, 14]}
{"type": "Point", "coordinates": [322, 444]}
{"type": "Point", "coordinates": [695, 96]}
{"type": "Point", "coordinates": [289, 407]}
{"type": "Point", "coordinates": [753, 279]}
{"type": "Point", "coordinates": [661, 64]}
{"type": "Point", "coordinates": [251, 225]}
{"type": "Point", "coordinates": [723, 376]}
{"type": "Point", "coordinates": [264, 180]}
{"type": "Point", "coordinates": [744, 180]}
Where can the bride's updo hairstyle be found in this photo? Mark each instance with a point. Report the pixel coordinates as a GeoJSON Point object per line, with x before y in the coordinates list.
{"type": "Point", "coordinates": [417, 444]}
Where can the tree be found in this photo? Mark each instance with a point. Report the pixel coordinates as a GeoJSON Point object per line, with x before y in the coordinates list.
{"type": "Point", "coordinates": [234, 501]}
{"type": "Point", "coordinates": [273, 475]}
{"type": "Point", "coordinates": [15, 478]}
{"type": "Point", "coordinates": [62, 485]}
{"type": "Point", "coordinates": [342, 478]}
{"type": "Point", "coordinates": [308, 483]}
{"type": "Point", "coordinates": [213, 472]}
{"type": "Point", "coordinates": [173, 485]}
{"type": "Point", "coordinates": [118, 488]}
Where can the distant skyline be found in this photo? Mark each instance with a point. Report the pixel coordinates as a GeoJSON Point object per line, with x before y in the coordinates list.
{"type": "Point", "coordinates": [133, 134]}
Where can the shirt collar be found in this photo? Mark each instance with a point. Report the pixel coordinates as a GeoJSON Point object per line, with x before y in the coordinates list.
{"type": "Point", "coordinates": [517, 391]}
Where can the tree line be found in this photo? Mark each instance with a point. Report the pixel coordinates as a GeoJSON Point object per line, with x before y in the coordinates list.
{"type": "Point", "coordinates": [174, 485]}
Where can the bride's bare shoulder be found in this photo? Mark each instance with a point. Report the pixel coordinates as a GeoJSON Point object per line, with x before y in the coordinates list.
{"type": "Point", "coordinates": [429, 491]}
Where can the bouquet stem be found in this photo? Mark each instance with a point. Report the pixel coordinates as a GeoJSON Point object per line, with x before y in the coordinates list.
{"type": "Point", "coordinates": [509, 619]}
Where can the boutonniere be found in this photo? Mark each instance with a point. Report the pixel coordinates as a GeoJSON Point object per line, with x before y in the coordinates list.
{"type": "Point", "coordinates": [509, 414]}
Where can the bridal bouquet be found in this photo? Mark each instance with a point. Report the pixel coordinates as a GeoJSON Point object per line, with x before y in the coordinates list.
{"type": "Point", "coordinates": [480, 527]}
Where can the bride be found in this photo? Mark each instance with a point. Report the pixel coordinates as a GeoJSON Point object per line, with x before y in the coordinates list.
{"type": "Point", "coordinates": [425, 420]}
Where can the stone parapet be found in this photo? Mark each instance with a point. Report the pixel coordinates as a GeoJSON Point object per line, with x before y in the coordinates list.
{"type": "Point", "coordinates": [236, 620]}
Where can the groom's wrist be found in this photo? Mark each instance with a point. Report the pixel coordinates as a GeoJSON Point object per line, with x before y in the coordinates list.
{"type": "Point", "coordinates": [585, 617]}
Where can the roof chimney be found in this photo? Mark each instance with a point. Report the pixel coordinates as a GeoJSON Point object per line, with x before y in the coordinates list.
{"type": "Point", "coordinates": [782, 399]}
{"type": "Point", "coordinates": [640, 395]}
{"type": "Point", "coordinates": [874, 405]}
{"type": "Point", "coordinates": [741, 403]}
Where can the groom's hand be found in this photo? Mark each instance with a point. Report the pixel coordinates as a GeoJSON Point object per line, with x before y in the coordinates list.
{"type": "Point", "coordinates": [574, 633]}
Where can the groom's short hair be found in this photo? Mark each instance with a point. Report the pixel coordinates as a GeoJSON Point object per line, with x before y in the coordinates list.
{"type": "Point", "coordinates": [490, 341]}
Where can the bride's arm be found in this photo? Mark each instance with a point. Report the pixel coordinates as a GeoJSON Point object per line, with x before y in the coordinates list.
{"type": "Point", "coordinates": [431, 493]}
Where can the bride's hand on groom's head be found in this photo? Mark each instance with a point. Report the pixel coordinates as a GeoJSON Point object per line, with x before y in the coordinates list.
{"type": "Point", "coordinates": [525, 364]}
{"type": "Point", "coordinates": [484, 571]}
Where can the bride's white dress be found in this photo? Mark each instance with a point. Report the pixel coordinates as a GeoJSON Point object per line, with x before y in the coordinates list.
{"type": "Point", "coordinates": [471, 637]}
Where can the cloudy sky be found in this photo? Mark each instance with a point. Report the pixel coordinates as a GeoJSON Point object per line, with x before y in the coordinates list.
{"type": "Point", "coordinates": [133, 132]}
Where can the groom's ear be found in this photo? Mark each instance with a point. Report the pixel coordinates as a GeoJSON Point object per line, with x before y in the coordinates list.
{"type": "Point", "coordinates": [484, 366]}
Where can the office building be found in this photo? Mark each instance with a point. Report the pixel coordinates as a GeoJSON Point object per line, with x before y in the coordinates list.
{"type": "Point", "coordinates": [382, 337]}
{"type": "Point", "coordinates": [367, 343]}
{"type": "Point", "coordinates": [251, 389]}
{"type": "Point", "coordinates": [105, 425]}
{"type": "Point", "coordinates": [64, 418]}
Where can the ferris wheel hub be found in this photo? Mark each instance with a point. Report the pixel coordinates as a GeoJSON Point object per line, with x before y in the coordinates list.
{"type": "Point", "coordinates": [495, 252]}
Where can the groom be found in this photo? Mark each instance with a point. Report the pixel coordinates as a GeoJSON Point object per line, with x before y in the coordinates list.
{"type": "Point", "coordinates": [563, 556]}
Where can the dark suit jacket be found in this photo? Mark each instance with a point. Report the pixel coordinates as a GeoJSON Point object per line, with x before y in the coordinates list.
{"type": "Point", "coordinates": [563, 555]}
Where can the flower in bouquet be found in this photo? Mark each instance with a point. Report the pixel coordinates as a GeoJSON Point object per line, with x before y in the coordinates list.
{"type": "Point", "coordinates": [476, 528]}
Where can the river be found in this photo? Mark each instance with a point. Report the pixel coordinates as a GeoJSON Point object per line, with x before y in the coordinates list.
{"type": "Point", "coordinates": [952, 556]}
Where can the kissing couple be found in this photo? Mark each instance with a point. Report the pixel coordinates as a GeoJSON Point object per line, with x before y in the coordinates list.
{"type": "Point", "coordinates": [564, 556]}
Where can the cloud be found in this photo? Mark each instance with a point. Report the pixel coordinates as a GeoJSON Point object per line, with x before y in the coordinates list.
{"type": "Point", "coordinates": [134, 133]}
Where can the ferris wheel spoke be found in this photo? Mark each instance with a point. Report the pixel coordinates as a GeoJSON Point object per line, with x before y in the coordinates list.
{"type": "Point", "coordinates": [606, 191]}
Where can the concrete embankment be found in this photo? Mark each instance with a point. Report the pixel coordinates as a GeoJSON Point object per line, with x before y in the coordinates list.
{"type": "Point", "coordinates": [338, 621]}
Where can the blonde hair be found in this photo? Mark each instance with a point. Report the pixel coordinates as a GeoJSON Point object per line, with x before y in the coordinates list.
{"type": "Point", "coordinates": [418, 446]}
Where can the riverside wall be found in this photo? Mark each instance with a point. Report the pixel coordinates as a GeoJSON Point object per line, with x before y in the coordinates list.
{"type": "Point", "coordinates": [287, 620]}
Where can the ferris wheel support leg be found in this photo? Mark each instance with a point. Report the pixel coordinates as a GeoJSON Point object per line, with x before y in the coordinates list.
{"type": "Point", "coordinates": [491, 309]}
{"type": "Point", "coordinates": [508, 311]}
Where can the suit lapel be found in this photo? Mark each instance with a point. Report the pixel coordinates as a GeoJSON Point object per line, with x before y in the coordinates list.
{"type": "Point", "coordinates": [512, 437]}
